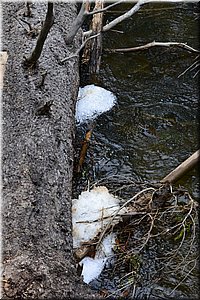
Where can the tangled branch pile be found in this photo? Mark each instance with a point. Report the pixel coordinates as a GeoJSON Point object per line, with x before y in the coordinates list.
{"type": "Point", "coordinates": [158, 237]}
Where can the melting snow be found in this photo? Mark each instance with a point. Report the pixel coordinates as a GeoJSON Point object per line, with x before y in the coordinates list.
{"type": "Point", "coordinates": [91, 212]}
{"type": "Point", "coordinates": [93, 101]}
{"type": "Point", "coordinates": [92, 267]}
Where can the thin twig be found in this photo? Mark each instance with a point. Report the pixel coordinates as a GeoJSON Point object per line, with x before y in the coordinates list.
{"type": "Point", "coordinates": [29, 25]}
{"type": "Point", "coordinates": [78, 51]}
{"type": "Point", "coordinates": [121, 18]}
{"type": "Point", "coordinates": [115, 214]}
{"type": "Point", "coordinates": [156, 44]}
{"type": "Point", "coordinates": [195, 262]}
{"type": "Point", "coordinates": [195, 64]}
{"type": "Point", "coordinates": [104, 9]}
{"type": "Point", "coordinates": [149, 232]}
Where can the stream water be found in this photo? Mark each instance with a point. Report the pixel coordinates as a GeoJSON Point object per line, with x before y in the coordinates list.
{"type": "Point", "coordinates": [153, 127]}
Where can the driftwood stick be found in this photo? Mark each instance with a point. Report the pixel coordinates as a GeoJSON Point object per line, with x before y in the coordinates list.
{"type": "Point", "coordinates": [157, 44]}
{"type": "Point", "coordinates": [183, 168]}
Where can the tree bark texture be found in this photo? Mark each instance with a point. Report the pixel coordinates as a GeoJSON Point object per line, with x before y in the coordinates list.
{"type": "Point", "coordinates": [96, 43]}
{"type": "Point", "coordinates": [93, 49]}
{"type": "Point", "coordinates": [37, 159]}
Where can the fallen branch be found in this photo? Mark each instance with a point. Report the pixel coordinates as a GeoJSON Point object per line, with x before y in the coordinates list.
{"type": "Point", "coordinates": [156, 44]}
{"type": "Point", "coordinates": [195, 65]}
{"type": "Point", "coordinates": [183, 168]}
{"type": "Point", "coordinates": [82, 15]}
{"type": "Point", "coordinates": [31, 61]}
{"type": "Point", "coordinates": [121, 18]}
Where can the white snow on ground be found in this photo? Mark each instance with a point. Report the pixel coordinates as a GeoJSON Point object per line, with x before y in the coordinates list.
{"type": "Point", "coordinates": [92, 268]}
{"type": "Point", "coordinates": [91, 212]}
{"type": "Point", "coordinates": [93, 101]}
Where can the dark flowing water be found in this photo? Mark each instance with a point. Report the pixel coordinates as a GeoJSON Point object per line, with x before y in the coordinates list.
{"type": "Point", "coordinates": [153, 127]}
{"type": "Point", "coordinates": [151, 96]}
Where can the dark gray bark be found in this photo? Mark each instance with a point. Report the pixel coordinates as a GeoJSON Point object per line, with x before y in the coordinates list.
{"type": "Point", "coordinates": [37, 160]}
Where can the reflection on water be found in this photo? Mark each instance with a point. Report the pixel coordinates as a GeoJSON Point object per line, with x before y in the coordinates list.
{"type": "Point", "coordinates": [153, 127]}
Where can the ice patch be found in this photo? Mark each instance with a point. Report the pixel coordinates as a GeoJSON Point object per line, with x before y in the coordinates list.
{"type": "Point", "coordinates": [93, 101]}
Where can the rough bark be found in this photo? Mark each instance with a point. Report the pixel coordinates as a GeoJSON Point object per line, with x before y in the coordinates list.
{"type": "Point", "coordinates": [96, 43]}
{"type": "Point", "coordinates": [37, 160]}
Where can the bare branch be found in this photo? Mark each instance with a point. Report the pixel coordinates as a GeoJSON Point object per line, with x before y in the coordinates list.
{"type": "Point", "coordinates": [183, 168]}
{"type": "Point", "coordinates": [42, 37]}
{"type": "Point", "coordinates": [195, 263]}
{"type": "Point", "coordinates": [125, 16]}
{"type": "Point", "coordinates": [104, 9]}
{"type": "Point", "coordinates": [78, 22]}
{"type": "Point", "coordinates": [121, 18]}
{"type": "Point", "coordinates": [82, 46]}
{"type": "Point", "coordinates": [157, 44]}
{"type": "Point", "coordinates": [195, 65]}
{"type": "Point", "coordinates": [83, 14]}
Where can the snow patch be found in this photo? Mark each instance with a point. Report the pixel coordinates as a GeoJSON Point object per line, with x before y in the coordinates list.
{"type": "Point", "coordinates": [92, 267]}
{"type": "Point", "coordinates": [93, 101]}
{"type": "Point", "coordinates": [91, 212]}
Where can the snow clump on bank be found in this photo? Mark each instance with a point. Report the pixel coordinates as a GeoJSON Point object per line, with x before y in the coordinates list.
{"type": "Point", "coordinates": [92, 102]}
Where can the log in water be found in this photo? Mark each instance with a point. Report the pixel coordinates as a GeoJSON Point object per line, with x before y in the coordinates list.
{"type": "Point", "coordinates": [183, 168]}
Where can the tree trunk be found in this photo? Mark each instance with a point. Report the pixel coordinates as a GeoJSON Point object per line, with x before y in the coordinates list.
{"type": "Point", "coordinates": [37, 159]}
{"type": "Point", "coordinates": [93, 50]}
{"type": "Point", "coordinates": [96, 43]}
